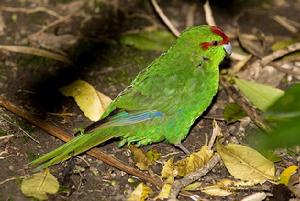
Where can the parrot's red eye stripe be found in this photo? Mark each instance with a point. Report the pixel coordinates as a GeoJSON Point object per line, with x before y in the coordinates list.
{"type": "Point", "coordinates": [205, 45]}
{"type": "Point", "coordinates": [219, 32]}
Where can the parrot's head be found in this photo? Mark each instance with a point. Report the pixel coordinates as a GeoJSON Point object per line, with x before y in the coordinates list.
{"type": "Point", "coordinates": [217, 39]}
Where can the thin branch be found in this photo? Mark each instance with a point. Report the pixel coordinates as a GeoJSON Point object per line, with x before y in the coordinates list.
{"type": "Point", "coordinates": [190, 16]}
{"type": "Point", "coordinates": [21, 129]}
{"type": "Point", "coordinates": [36, 52]}
{"type": "Point", "coordinates": [285, 23]}
{"type": "Point", "coordinates": [164, 18]}
{"type": "Point", "coordinates": [275, 55]}
{"type": "Point", "coordinates": [250, 111]}
{"type": "Point", "coordinates": [62, 135]}
{"type": "Point", "coordinates": [6, 137]}
{"type": "Point", "coordinates": [209, 17]}
{"type": "Point", "coordinates": [188, 179]}
{"type": "Point", "coordinates": [280, 53]}
{"type": "Point", "coordinates": [54, 23]}
{"type": "Point", "coordinates": [30, 10]}
{"type": "Point", "coordinates": [11, 179]}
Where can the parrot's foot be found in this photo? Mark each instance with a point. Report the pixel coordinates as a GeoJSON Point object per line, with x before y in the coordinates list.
{"type": "Point", "coordinates": [185, 150]}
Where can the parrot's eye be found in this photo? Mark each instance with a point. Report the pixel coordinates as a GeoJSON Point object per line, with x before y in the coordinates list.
{"type": "Point", "coordinates": [214, 43]}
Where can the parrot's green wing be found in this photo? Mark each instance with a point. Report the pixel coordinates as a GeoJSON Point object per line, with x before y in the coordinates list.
{"type": "Point", "coordinates": [164, 100]}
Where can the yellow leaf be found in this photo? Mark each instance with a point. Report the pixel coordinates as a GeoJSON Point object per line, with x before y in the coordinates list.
{"type": "Point", "coordinates": [39, 185]}
{"type": "Point", "coordinates": [218, 189]}
{"type": "Point", "coordinates": [153, 155]}
{"type": "Point", "coordinates": [193, 162]}
{"type": "Point", "coordinates": [140, 159]}
{"type": "Point", "coordinates": [91, 102]}
{"type": "Point", "coordinates": [166, 189]}
{"type": "Point", "coordinates": [192, 187]}
{"type": "Point", "coordinates": [246, 163]}
{"type": "Point", "coordinates": [168, 169]}
{"type": "Point", "coordinates": [140, 193]}
{"type": "Point", "coordinates": [287, 173]}
{"type": "Point", "coordinates": [226, 187]}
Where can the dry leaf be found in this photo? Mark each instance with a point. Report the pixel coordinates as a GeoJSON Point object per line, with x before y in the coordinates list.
{"type": "Point", "coordinates": [192, 187]}
{"type": "Point", "coordinates": [91, 102]}
{"type": "Point", "coordinates": [287, 173]}
{"type": "Point", "coordinates": [168, 169]}
{"type": "Point", "coordinates": [226, 187]}
{"type": "Point", "coordinates": [246, 163]}
{"type": "Point", "coordinates": [140, 193]}
{"type": "Point", "coordinates": [294, 184]}
{"type": "Point", "coordinates": [221, 188]}
{"type": "Point", "coordinates": [259, 196]}
{"type": "Point", "coordinates": [39, 185]}
{"type": "Point", "coordinates": [193, 162]}
{"type": "Point", "coordinates": [187, 165]}
{"type": "Point", "coordinates": [142, 160]}
{"type": "Point", "coordinates": [166, 189]}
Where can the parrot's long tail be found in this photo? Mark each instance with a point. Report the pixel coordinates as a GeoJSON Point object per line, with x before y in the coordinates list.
{"type": "Point", "coordinates": [74, 147]}
{"type": "Point", "coordinates": [91, 139]}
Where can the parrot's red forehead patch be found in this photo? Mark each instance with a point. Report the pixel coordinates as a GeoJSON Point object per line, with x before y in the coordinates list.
{"type": "Point", "coordinates": [217, 31]}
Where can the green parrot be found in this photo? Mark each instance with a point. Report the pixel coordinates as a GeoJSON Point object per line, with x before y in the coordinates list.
{"type": "Point", "coordinates": [163, 101]}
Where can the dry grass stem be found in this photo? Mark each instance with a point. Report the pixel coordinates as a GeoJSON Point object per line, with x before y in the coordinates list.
{"type": "Point", "coordinates": [210, 20]}
{"type": "Point", "coordinates": [164, 18]}
{"type": "Point", "coordinates": [36, 52]}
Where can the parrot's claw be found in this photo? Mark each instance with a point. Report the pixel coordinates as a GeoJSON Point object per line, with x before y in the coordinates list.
{"type": "Point", "coordinates": [185, 150]}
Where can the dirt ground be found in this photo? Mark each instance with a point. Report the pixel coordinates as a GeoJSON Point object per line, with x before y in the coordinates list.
{"type": "Point", "coordinates": [88, 33]}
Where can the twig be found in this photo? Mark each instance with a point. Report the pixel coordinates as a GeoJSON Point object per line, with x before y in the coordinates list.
{"type": "Point", "coordinates": [280, 53]}
{"type": "Point", "coordinates": [209, 14]}
{"type": "Point", "coordinates": [54, 23]}
{"type": "Point", "coordinates": [164, 18]}
{"type": "Point", "coordinates": [188, 179]}
{"type": "Point", "coordinates": [275, 55]}
{"type": "Point", "coordinates": [216, 132]}
{"type": "Point", "coordinates": [95, 152]}
{"type": "Point", "coordinates": [6, 137]}
{"type": "Point", "coordinates": [285, 23]}
{"type": "Point", "coordinates": [190, 21]}
{"type": "Point", "coordinates": [30, 10]}
{"type": "Point", "coordinates": [11, 179]}
{"type": "Point", "coordinates": [239, 65]}
{"type": "Point", "coordinates": [21, 129]}
{"type": "Point", "coordinates": [250, 111]}
{"type": "Point", "coordinates": [36, 52]}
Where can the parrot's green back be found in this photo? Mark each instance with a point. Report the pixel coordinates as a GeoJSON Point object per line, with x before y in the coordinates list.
{"type": "Point", "coordinates": [163, 101]}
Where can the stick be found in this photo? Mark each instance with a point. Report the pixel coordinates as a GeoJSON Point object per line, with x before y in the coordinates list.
{"type": "Point", "coordinates": [179, 184]}
{"type": "Point", "coordinates": [209, 17]}
{"type": "Point", "coordinates": [251, 112]}
{"type": "Point", "coordinates": [164, 18]}
{"type": "Point", "coordinates": [275, 55]}
{"type": "Point", "coordinates": [36, 52]}
{"type": "Point", "coordinates": [62, 135]}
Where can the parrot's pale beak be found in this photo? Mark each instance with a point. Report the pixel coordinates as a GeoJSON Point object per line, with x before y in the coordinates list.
{"type": "Point", "coordinates": [228, 48]}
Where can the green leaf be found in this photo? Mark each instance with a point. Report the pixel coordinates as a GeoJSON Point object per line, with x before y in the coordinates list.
{"type": "Point", "coordinates": [285, 112]}
{"type": "Point", "coordinates": [233, 112]}
{"type": "Point", "coordinates": [39, 185]}
{"type": "Point", "coordinates": [283, 44]}
{"type": "Point", "coordinates": [260, 95]}
{"type": "Point", "coordinates": [287, 106]}
{"type": "Point", "coordinates": [149, 40]}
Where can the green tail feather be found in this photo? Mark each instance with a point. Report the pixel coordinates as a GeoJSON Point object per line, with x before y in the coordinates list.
{"type": "Point", "coordinates": [74, 147]}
